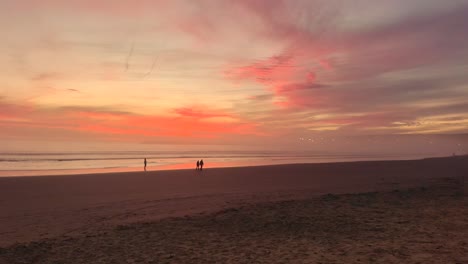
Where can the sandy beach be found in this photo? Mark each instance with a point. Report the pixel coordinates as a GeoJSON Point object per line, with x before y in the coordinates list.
{"type": "Point", "coordinates": [379, 211]}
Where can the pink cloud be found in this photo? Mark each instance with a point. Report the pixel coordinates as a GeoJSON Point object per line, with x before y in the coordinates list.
{"type": "Point", "coordinates": [311, 77]}
{"type": "Point", "coordinates": [281, 76]}
{"type": "Point", "coordinates": [199, 27]}
{"type": "Point", "coordinates": [325, 64]}
{"type": "Point", "coordinates": [273, 70]}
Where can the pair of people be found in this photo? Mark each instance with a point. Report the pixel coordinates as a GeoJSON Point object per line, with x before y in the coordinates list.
{"type": "Point", "coordinates": [199, 165]}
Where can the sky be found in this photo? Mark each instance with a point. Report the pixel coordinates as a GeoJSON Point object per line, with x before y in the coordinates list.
{"type": "Point", "coordinates": [329, 75]}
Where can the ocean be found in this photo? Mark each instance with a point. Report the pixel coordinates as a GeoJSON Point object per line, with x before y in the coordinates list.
{"type": "Point", "coordinates": [63, 163]}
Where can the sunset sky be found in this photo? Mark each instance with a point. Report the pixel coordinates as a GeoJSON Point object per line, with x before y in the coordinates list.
{"type": "Point", "coordinates": [305, 74]}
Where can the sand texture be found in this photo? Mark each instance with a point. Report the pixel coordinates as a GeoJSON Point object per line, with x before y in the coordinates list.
{"type": "Point", "coordinates": [400, 212]}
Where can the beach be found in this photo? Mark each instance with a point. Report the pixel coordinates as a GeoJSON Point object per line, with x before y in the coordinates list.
{"type": "Point", "coordinates": [378, 211]}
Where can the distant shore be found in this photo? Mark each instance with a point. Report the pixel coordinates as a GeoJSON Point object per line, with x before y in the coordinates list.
{"type": "Point", "coordinates": [48, 164]}
{"type": "Point", "coordinates": [81, 207]}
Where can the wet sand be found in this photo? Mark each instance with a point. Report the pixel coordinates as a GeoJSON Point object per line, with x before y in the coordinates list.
{"type": "Point", "coordinates": [268, 214]}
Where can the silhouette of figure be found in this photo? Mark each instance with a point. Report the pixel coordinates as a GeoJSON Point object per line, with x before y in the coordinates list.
{"type": "Point", "coordinates": [145, 163]}
{"type": "Point", "coordinates": [198, 164]}
{"type": "Point", "coordinates": [201, 164]}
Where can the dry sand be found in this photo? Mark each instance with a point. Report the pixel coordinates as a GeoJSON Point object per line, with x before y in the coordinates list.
{"type": "Point", "coordinates": [268, 214]}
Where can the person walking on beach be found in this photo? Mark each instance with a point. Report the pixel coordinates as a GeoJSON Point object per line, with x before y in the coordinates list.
{"type": "Point", "coordinates": [198, 164]}
{"type": "Point", "coordinates": [144, 162]}
{"type": "Point", "coordinates": [201, 164]}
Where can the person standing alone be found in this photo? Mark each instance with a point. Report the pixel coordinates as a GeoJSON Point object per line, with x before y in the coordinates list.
{"type": "Point", "coordinates": [144, 162]}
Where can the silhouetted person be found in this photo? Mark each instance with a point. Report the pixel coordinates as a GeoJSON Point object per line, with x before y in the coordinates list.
{"type": "Point", "coordinates": [198, 164]}
{"type": "Point", "coordinates": [201, 164]}
{"type": "Point", "coordinates": [144, 162]}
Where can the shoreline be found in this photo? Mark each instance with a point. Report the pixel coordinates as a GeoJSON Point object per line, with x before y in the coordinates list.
{"type": "Point", "coordinates": [182, 167]}
{"type": "Point", "coordinates": [36, 208]}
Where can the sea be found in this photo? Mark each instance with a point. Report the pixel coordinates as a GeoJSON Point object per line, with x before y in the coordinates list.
{"type": "Point", "coordinates": [65, 163]}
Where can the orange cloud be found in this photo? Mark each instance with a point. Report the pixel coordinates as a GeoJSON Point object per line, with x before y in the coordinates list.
{"type": "Point", "coordinates": [200, 112]}
{"type": "Point", "coordinates": [188, 123]}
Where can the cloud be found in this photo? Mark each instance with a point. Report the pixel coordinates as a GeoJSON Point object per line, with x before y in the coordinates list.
{"type": "Point", "coordinates": [279, 68]}
{"type": "Point", "coordinates": [415, 42]}
{"type": "Point", "coordinates": [104, 7]}
{"type": "Point", "coordinates": [366, 73]}
{"type": "Point", "coordinates": [199, 27]}
{"type": "Point", "coordinates": [199, 112]}
{"type": "Point", "coordinates": [100, 122]}
{"type": "Point", "coordinates": [298, 66]}
{"type": "Point", "coordinates": [44, 77]}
